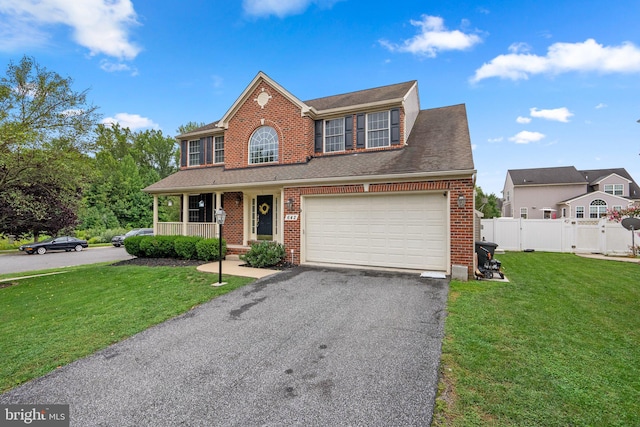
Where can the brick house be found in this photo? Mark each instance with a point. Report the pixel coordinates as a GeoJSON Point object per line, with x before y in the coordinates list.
{"type": "Point", "coordinates": [363, 178]}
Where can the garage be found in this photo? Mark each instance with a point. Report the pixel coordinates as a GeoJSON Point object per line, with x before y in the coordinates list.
{"type": "Point", "coordinates": [380, 230]}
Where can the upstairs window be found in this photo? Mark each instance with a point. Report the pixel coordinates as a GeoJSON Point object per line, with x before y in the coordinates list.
{"type": "Point", "coordinates": [597, 209]}
{"type": "Point", "coordinates": [378, 129]}
{"type": "Point", "coordinates": [615, 189]}
{"type": "Point", "coordinates": [334, 135]}
{"type": "Point", "coordinates": [263, 146]}
{"type": "Point", "coordinates": [218, 149]}
{"type": "Point", "coordinates": [194, 152]}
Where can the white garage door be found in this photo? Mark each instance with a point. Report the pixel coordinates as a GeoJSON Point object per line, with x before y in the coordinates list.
{"type": "Point", "coordinates": [401, 230]}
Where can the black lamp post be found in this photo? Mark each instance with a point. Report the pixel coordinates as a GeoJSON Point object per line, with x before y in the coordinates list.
{"type": "Point", "coordinates": [220, 217]}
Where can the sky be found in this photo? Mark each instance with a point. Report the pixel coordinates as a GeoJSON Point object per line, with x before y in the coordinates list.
{"type": "Point", "coordinates": [545, 83]}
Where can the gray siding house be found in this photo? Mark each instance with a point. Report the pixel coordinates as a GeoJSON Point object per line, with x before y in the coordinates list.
{"type": "Point", "coordinates": [565, 192]}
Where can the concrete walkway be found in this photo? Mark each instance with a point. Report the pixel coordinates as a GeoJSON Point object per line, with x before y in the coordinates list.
{"type": "Point", "coordinates": [610, 258]}
{"type": "Point", "coordinates": [233, 266]}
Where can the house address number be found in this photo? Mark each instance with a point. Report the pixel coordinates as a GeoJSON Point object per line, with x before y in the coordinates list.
{"type": "Point", "coordinates": [291, 217]}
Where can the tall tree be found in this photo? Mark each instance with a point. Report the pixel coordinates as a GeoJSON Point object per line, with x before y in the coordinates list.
{"type": "Point", "coordinates": [44, 128]}
{"type": "Point", "coordinates": [151, 149]}
{"type": "Point", "coordinates": [487, 204]}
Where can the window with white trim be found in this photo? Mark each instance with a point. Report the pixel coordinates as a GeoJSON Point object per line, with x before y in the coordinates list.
{"type": "Point", "coordinates": [524, 213]}
{"type": "Point", "coordinates": [597, 209]}
{"type": "Point", "coordinates": [194, 152]}
{"type": "Point", "coordinates": [334, 135]}
{"type": "Point", "coordinates": [615, 189]}
{"type": "Point", "coordinates": [579, 211]}
{"type": "Point", "coordinates": [378, 130]}
{"type": "Point", "coordinates": [263, 146]}
{"type": "Point", "coordinates": [218, 149]}
{"type": "Point", "coordinates": [617, 208]}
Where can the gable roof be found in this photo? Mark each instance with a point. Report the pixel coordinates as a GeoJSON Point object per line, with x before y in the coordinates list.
{"type": "Point", "coordinates": [546, 176]}
{"type": "Point", "coordinates": [383, 95]}
{"type": "Point", "coordinates": [439, 145]}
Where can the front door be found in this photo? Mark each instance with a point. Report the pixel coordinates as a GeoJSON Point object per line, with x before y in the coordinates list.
{"type": "Point", "coordinates": [265, 217]}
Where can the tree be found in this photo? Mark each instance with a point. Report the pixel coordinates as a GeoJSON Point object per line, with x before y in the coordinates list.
{"type": "Point", "coordinates": [153, 150]}
{"type": "Point", "coordinates": [44, 130]}
{"type": "Point", "coordinates": [487, 204]}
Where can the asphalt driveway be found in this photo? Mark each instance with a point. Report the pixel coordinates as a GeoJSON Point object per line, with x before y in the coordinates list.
{"type": "Point", "coordinates": [304, 347]}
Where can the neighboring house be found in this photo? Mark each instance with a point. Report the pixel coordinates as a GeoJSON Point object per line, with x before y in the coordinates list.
{"type": "Point", "coordinates": [363, 178]}
{"type": "Point", "coordinates": [565, 192]}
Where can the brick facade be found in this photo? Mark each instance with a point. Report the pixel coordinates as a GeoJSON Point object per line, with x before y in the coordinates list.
{"type": "Point", "coordinates": [264, 104]}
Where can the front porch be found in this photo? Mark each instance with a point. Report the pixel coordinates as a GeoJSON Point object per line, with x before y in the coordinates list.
{"type": "Point", "coordinates": [251, 217]}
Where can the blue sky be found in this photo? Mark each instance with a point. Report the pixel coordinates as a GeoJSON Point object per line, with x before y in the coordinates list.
{"type": "Point", "coordinates": [545, 83]}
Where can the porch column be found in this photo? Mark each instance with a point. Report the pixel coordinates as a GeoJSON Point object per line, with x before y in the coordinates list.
{"type": "Point", "coordinates": [185, 213]}
{"type": "Point", "coordinates": [155, 214]}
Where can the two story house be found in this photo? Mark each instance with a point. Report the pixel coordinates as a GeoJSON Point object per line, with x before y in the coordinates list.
{"type": "Point", "coordinates": [565, 192]}
{"type": "Point", "coordinates": [364, 178]}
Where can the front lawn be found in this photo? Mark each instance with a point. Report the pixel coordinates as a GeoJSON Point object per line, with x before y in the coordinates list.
{"type": "Point", "coordinates": [49, 321]}
{"type": "Point", "coordinates": [557, 346]}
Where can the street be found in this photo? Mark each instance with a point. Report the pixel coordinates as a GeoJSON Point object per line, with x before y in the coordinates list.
{"type": "Point", "coordinates": [20, 262]}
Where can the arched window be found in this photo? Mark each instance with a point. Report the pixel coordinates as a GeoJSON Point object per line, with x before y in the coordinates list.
{"type": "Point", "coordinates": [263, 146]}
{"type": "Point", "coordinates": [597, 209]}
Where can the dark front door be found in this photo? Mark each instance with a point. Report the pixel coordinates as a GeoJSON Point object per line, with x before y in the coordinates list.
{"type": "Point", "coordinates": [265, 217]}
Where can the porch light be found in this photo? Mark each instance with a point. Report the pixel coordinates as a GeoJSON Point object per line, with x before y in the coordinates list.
{"type": "Point", "coordinates": [461, 201]}
{"type": "Point", "coordinates": [201, 203]}
{"type": "Point", "coordinates": [238, 199]}
{"type": "Point", "coordinates": [169, 202]}
{"type": "Point", "coordinates": [289, 204]}
{"type": "Point", "coordinates": [220, 217]}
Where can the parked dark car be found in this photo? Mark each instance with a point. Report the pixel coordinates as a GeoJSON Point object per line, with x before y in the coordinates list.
{"type": "Point", "coordinates": [62, 243]}
{"type": "Point", "coordinates": [118, 241]}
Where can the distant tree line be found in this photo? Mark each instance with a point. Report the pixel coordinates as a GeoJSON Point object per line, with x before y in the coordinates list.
{"type": "Point", "coordinates": [61, 170]}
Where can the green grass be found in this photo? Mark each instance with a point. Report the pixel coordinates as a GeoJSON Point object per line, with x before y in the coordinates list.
{"type": "Point", "coordinates": [49, 321]}
{"type": "Point", "coordinates": [557, 346]}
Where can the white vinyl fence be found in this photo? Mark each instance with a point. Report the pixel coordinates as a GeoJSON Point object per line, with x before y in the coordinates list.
{"type": "Point", "coordinates": [558, 235]}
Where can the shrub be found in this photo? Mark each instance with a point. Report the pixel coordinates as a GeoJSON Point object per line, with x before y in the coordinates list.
{"type": "Point", "coordinates": [166, 245]}
{"type": "Point", "coordinates": [150, 247]}
{"type": "Point", "coordinates": [264, 254]}
{"type": "Point", "coordinates": [185, 246]}
{"type": "Point", "coordinates": [208, 249]}
{"type": "Point", "coordinates": [132, 245]}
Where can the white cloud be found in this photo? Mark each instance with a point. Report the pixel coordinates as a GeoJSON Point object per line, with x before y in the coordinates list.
{"type": "Point", "coordinates": [493, 140]}
{"type": "Point", "coordinates": [526, 137]}
{"type": "Point", "coordinates": [473, 147]}
{"type": "Point", "coordinates": [112, 67]}
{"type": "Point", "coordinates": [556, 114]}
{"type": "Point", "coordinates": [102, 26]}
{"type": "Point", "coordinates": [131, 121]}
{"type": "Point", "coordinates": [433, 38]}
{"type": "Point", "coordinates": [281, 8]}
{"type": "Point", "coordinates": [523, 120]}
{"type": "Point", "coordinates": [601, 105]}
{"type": "Point", "coordinates": [588, 56]}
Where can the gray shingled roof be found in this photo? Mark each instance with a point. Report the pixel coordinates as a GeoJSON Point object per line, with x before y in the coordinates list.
{"type": "Point", "coordinates": [595, 175]}
{"type": "Point", "coordinates": [384, 93]}
{"type": "Point", "coordinates": [543, 176]}
{"type": "Point", "coordinates": [439, 143]}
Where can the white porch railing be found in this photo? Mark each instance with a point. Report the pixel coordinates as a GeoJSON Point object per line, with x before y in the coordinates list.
{"type": "Point", "coordinates": [202, 229]}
